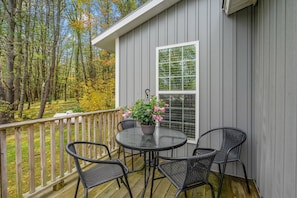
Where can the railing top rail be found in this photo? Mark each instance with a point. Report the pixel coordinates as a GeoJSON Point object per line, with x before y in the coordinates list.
{"type": "Point", "coordinates": [41, 120]}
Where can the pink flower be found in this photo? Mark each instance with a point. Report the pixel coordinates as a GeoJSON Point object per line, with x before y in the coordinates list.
{"type": "Point", "coordinates": [162, 110]}
{"type": "Point", "coordinates": [156, 108]}
{"type": "Point", "coordinates": [157, 117]}
{"type": "Point", "coordinates": [127, 114]}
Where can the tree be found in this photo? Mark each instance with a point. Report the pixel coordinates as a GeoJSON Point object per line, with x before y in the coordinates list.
{"type": "Point", "coordinates": [56, 33]}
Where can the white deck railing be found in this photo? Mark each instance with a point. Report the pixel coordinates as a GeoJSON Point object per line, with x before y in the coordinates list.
{"type": "Point", "coordinates": [33, 156]}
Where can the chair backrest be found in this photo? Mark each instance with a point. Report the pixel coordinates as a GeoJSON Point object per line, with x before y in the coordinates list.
{"type": "Point", "coordinates": [126, 124]}
{"type": "Point", "coordinates": [71, 150]}
{"type": "Point", "coordinates": [233, 137]}
{"type": "Point", "coordinates": [198, 167]}
{"type": "Point", "coordinates": [227, 138]}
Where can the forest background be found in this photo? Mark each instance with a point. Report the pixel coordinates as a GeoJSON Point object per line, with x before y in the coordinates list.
{"type": "Point", "coordinates": [46, 53]}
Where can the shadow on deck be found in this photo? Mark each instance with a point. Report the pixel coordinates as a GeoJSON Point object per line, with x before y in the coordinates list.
{"type": "Point", "coordinates": [232, 187]}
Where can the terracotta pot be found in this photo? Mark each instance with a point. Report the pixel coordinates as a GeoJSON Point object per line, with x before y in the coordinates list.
{"type": "Point", "coordinates": [148, 129]}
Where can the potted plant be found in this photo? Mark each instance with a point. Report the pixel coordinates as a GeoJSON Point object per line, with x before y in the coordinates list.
{"type": "Point", "coordinates": [146, 112]}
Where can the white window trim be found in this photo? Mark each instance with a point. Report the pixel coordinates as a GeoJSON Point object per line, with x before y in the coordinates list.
{"type": "Point", "coordinates": [196, 43]}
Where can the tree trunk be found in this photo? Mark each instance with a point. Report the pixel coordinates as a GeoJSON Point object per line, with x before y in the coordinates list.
{"type": "Point", "coordinates": [26, 60]}
{"type": "Point", "coordinates": [11, 9]}
{"type": "Point", "coordinates": [49, 80]}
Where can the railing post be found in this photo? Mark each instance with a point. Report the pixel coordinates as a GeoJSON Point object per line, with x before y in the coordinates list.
{"type": "Point", "coordinates": [3, 164]}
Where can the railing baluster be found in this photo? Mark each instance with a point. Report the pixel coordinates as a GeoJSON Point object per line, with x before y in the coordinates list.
{"type": "Point", "coordinates": [68, 141]}
{"type": "Point", "coordinates": [3, 163]}
{"type": "Point", "coordinates": [53, 151]}
{"type": "Point", "coordinates": [18, 161]}
{"type": "Point", "coordinates": [42, 155]}
{"type": "Point", "coordinates": [31, 158]}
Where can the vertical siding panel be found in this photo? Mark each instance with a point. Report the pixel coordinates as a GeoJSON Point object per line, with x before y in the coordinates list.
{"type": "Point", "coordinates": [242, 79]}
{"type": "Point", "coordinates": [227, 71]}
{"type": "Point", "coordinates": [272, 88]}
{"type": "Point", "coordinates": [214, 54]}
{"type": "Point", "coordinates": [203, 66]}
{"type": "Point", "coordinates": [181, 22]}
{"type": "Point", "coordinates": [291, 100]}
{"type": "Point", "coordinates": [265, 125]}
{"type": "Point", "coordinates": [192, 21]}
{"type": "Point", "coordinates": [145, 57]}
{"type": "Point", "coordinates": [162, 21]}
{"type": "Point", "coordinates": [137, 62]}
{"type": "Point", "coordinates": [123, 71]}
{"type": "Point", "coordinates": [130, 67]}
{"type": "Point", "coordinates": [152, 53]}
{"type": "Point", "coordinates": [280, 99]}
{"type": "Point", "coordinates": [171, 25]}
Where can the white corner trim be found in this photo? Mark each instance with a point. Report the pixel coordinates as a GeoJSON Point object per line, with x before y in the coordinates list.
{"type": "Point", "coordinates": [117, 72]}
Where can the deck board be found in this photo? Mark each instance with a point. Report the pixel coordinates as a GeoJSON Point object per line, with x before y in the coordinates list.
{"type": "Point", "coordinates": [232, 187]}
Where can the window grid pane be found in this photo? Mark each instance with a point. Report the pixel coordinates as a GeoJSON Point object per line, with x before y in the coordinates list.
{"type": "Point", "coordinates": [177, 72]}
{"type": "Point", "coordinates": [180, 114]}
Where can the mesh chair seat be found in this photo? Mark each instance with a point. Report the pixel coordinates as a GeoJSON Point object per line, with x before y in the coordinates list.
{"type": "Point", "coordinates": [102, 173]}
{"type": "Point", "coordinates": [188, 172]}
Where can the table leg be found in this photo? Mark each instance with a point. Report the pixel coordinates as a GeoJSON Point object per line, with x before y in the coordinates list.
{"type": "Point", "coordinates": [147, 170]}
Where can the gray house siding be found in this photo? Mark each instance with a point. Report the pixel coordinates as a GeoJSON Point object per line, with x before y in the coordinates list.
{"type": "Point", "coordinates": [275, 98]}
{"type": "Point", "coordinates": [225, 64]}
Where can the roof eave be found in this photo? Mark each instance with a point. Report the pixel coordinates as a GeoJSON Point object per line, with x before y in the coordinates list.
{"type": "Point", "coordinates": [106, 40]}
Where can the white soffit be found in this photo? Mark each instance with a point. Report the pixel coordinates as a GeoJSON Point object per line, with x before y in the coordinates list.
{"type": "Point", "coordinates": [106, 40]}
{"type": "Point", "coordinates": [231, 6]}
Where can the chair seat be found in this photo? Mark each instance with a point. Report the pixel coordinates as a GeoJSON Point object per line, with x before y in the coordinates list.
{"type": "Point", "coordinates": [176, 172]}
{"type": "Point", "coordinates": [102, 173]}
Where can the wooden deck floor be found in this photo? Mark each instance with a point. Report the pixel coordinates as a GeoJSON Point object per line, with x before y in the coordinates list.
{"type": "Point", "coordinates": [232, 187]}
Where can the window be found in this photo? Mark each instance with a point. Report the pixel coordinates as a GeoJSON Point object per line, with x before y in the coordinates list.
{"type": "Point", "coordinates": [177, 84]}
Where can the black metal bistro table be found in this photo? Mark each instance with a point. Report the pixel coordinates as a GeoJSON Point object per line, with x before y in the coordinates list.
{"type": "Point", "coordinates": [163, 139]}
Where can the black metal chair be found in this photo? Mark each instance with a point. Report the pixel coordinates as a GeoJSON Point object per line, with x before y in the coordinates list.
{"type": "Point", "coordinates": [230, 141]}
{"type": "Point", "coordinates": [187, 172]}
{"type": "Point", "coordinates": [126, 124]}
{"type": "Point", "coordinates": [100, 171]}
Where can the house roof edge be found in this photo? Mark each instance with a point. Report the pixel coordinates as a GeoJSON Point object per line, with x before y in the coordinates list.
{"type": "Point", "coordinates": [106, 40]}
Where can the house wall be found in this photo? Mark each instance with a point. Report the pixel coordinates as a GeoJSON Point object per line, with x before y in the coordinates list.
{"type": "Point", "coordinates": [274, 105]}
{"type": "Point", "coordinates": [225, 64]}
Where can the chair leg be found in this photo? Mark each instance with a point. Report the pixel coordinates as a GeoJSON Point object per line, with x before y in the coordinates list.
{"type": "Point", "coordinates": [177, 193]}
{"type": "Point", "coordinates": [119, 152]}
{"type": "Point", "coordinates": [124, 153]}
{"type": "Point", "coordinates": [153, 178]}
{"type": "Point", "coordinates": [128, 186]}
{"type": "Point", "coordinates": [221, 179]}
{"type": "Point", "coordinates": [220, 171]}
{"type": "Point", "coordinates": [118, 183]}
{"type": "Point", "coordinates": [77, 185]}
{"type": "Point", "coordinates": [132, 160]}
{"type": "Point", "coordinates": [245, 176]}
{"type": "Point", "coordinates": [212, 190]}
{"type": "Point", "coordinates": [185, 194]}
{"type": "Point", "coordinates": [86, 193]}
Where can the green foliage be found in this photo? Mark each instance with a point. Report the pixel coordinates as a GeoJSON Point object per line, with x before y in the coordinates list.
{"type": "Point", "coordinates": [146, 112]}
{"type": "Point", "coordinates": [98, 95]}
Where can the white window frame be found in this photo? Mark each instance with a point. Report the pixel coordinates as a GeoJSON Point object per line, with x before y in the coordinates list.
{"type": "Point", "coordinates": [196, 92]}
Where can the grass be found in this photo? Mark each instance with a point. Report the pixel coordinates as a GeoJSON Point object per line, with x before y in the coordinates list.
{"type": "Point", "coordinates": [58, 106]}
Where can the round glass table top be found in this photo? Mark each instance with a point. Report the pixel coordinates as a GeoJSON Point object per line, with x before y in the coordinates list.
{"type": "Point", "coordinates": [162, 139]}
